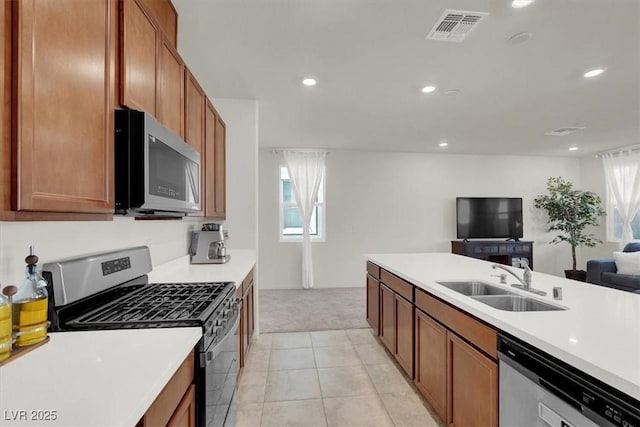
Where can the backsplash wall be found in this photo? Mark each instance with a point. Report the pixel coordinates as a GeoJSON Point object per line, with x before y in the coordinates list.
{"type": "Point", "coordinates": [167, 240]}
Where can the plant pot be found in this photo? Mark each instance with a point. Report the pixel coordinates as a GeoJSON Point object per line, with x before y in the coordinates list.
{"type": "Point", "coordinates": [579, 275]}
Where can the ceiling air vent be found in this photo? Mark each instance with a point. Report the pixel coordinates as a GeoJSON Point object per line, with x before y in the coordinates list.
{"type": "Point", "coordinates": [564, 130]}
{"type": "Point", "coordinates": [455, 25]}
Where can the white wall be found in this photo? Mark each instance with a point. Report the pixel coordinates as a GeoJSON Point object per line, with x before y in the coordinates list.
{"type": "Point", "coordinates": [402, 202]}
{"type": "Point", "coordinates": [167, 239]}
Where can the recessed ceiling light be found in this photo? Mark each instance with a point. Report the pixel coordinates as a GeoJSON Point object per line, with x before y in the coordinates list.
{"type": "Point", "coordinates": [520, 38]}
{"type": "Point", "coordinates": [452, 92]}
{"type": "Point", "coordinates": [573, 148]}
{"type": "Point", "coordinates": [519, 4]}
{"type": "Point", "coordinates": [428, 89]}
{"type": "Point", "coordinates": [309, 81]}
{"type": "Point", "coordinates": [594, 73]}
{"type": "Point", "coordinates": [443, 144]}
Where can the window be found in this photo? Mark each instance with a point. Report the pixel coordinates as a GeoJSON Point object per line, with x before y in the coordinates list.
{"type": "Point", "coordinates": [290, 220]}
{"type": "Point", "coordinates": [614, 222]}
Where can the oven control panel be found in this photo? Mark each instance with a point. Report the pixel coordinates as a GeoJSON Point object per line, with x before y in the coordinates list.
{"type": "Point", "coordinates": [113, 266]}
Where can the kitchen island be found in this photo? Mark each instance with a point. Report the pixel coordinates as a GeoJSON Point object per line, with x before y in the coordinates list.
{"type": "Point", "coordinates": [109, 377]}
{"type": "Point", "coordinates": [598, 333]}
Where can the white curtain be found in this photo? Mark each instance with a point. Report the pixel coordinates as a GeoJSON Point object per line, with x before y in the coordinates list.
{"type": "Point", "coordinates": [306, 169]}
{"type": "Point", "coordinates": [622, 172]}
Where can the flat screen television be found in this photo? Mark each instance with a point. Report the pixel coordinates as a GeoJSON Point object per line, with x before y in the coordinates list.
{"type": "Point", "coordinates": [489, 217]}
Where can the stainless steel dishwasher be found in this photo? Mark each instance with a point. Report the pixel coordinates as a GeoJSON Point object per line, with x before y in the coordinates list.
{"type": "Point", "coordinates": [538, 390]}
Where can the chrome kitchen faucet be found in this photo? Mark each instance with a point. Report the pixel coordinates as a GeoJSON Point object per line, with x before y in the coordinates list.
{"type": "Point", "coordinates": [525, 282]}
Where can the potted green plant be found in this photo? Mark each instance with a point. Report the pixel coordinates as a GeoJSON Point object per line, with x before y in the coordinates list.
{"type": "Point", "coordinates": [570, 212]}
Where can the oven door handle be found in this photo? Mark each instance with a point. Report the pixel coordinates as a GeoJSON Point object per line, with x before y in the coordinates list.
{"type": "Point", "coordinates": [207, 357]}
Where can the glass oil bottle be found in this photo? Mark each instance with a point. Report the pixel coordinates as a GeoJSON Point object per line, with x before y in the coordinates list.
{"type": "Point", "coordinates": [29, 306]}
{"type": "Point", "coordinates": [5, 328]}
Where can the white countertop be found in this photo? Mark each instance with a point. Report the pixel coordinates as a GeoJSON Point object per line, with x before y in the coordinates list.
{"type": "Point", "coordinates": [97, 378]}
{"type": "Point", "coordinates": [107, 378]}
{"type": "Point", "coordinates": [599, 333]}
{"type": "Point", "coordinates": [179, 270]}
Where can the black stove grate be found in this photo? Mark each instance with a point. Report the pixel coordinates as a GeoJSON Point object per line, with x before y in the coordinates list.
{"type": "Point", "coordinates": [159, 302]}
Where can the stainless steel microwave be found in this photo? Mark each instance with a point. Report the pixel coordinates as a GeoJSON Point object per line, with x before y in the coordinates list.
{"type": "Point", "coordinates": [156, 172]}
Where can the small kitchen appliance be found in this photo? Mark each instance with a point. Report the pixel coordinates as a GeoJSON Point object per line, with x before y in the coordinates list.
{"type": "Point", "coordinates": [156, 172]}
{"type": "Point", "coordinates": [207, 245]}
{"type": "Point", "coordinates": [110, 290]}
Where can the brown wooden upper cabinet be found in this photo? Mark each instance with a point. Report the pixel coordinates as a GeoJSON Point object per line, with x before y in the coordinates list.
{"type": "Point", "coordinates": [194, 102]}
{"type": "Point", "coordinates": [221, 162]}
{"type": "Point", "coordinates": [215, 173]}
{"type": "Point", "coordinates": [194, 106]}
{"type": "Point", "coordinates": [63, 111]}
{"type": "Point", "coordinates": [139, 42]}
{"type": "Point", "coordinates": [5, 106]}
{"type": "Point", "coordinates": [171, 88]}
{"type": "Point", "coordinates": [166, 17]}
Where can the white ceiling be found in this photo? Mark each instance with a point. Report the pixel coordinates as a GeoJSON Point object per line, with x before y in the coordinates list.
{"type": "Point", "coordinates": [371, 59]}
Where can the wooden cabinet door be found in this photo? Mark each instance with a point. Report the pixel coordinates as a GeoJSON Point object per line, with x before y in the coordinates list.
{"type": "Point", "coordinates": [431, 362]}
{"type": "Point", "coordinates": [139, 53]}
{"type": "Point", "coordinates": [209, 168]}
{"type": "Point", "coordinates": [166, 18]}
{"type": "Point", "coordinates": [5, 106]}
{"type": "Point", "coordinates": [64, 85]}
{"type": "Point", "coordinates": [194, 112]}
{"type": "Point", "coordinates": [171, 89]}
{"type": "Point", "coordinates": [472, 382]}
{"type": "Point", "coordinates": [404, 334]}
{"type": "Point", "coordinates": [221, 169]}
{"type": "Point", "coordinates": [250, 313]}
{"type": "Point", "coordinates": [387, 317]}
{"type": "Point", "coordinates": [194, 120]}
{"type": "Point", "coordinates": [185, 413]}
{"type": "Point", "coordinates": [373, 301]}
{"type": "Point", "coordinates": [241, 326]}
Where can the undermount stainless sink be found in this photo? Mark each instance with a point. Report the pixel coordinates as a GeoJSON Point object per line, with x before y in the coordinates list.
{"type": "Point", "coordinates": [498, 297]}
{"type": "Point", "coordinates": [516, 303]}
{"type": "Point", "coordinates": [475, 287]}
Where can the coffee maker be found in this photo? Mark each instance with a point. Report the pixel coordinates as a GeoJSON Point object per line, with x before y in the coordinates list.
{"type": "Point", "coordinates": [207, 245]}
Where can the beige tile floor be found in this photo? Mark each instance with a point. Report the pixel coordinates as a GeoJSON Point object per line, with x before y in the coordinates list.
{"type": "Point", "coordinates": [326, 378]}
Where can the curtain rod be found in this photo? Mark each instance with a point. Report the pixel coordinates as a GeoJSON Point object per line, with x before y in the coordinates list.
{"type": "Point", "coordinates": [620, 151]}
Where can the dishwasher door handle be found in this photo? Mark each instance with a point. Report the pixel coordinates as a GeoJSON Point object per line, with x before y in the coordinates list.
{"type": "Point", "coordinates": [550, 417]}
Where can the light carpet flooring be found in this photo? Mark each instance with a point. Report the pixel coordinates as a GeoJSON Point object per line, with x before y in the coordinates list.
{"type": "Point", "coordinates": [326, 378]}
{"type": "Point", "coordinates": [297, 310]}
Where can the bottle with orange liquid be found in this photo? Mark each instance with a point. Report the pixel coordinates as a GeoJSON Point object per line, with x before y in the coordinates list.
{"type": "Point", "coordinates": [29, 306]}
{"type": "Point", "coordinates": [5, 328]}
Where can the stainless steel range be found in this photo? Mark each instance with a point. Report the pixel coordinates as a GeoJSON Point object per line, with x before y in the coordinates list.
{"type": "Point", "coordinates": [111, 291]}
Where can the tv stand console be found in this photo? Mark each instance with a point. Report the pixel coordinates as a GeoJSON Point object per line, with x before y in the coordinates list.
{"type": "Point", "coordinates": [498, 251]}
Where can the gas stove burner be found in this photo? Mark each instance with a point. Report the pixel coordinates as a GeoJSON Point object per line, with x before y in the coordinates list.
{"type": "Point", "coordinates": [182, 303]}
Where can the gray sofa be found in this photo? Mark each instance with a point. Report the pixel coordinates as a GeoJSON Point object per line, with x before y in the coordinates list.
{"type": "Point", "coordinates": [603, 272]}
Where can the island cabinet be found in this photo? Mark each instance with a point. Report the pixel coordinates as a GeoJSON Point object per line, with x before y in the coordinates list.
{"type": "Point", "coordinates": [175, 405]}
{"type": "Point", "coordinates": [456, 363]}
{"type": "Point", "coordinates": [396, 319]}
{"type": "Point", "coordinates": [62, 111]}
{"type": "Point", "coordinates": [373, 296]}
{"type": "Point", "coordinates": [247, 320]}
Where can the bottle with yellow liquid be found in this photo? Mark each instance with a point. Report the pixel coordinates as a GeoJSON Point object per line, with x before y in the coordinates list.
{"type": "Point", "coordinates": [5, 328]}
{"type": "Point", "coordinates": [29, 306]}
